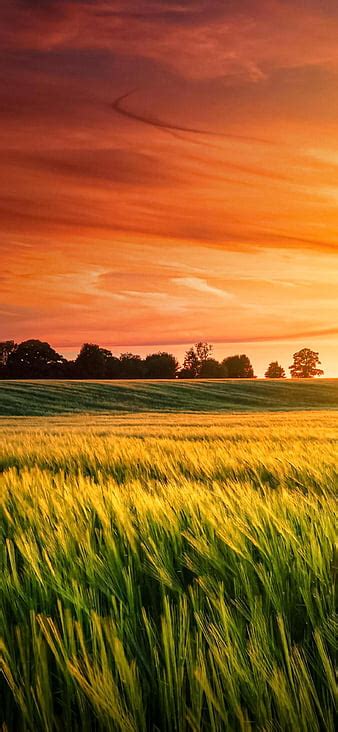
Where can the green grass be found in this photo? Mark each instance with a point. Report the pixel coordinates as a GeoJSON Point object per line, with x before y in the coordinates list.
{"type": "Point", "coordinates": [168, 572]}
{"type": "Point", "coordinates": [58, 397]}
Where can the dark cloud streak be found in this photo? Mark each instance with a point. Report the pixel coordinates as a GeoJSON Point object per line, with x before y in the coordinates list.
{"type": "Point", "coordinates": [118, 107]}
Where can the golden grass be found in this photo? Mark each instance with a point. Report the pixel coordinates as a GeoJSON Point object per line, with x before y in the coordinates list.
{"type": "Point", "coordinates": [168, 572]}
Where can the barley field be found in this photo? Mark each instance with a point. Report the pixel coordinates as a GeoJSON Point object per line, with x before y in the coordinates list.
{"type": "Point", "coordinates": [168, 572]}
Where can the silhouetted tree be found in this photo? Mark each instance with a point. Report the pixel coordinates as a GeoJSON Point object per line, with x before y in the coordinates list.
{"type": "Point", "coordinates": [131, 366]}
{"type": "Point", "coordinates": [113, 367]}
{"type": "Point", "coordinates": [305, 364]}
{"type": "Point", "coordinates": [211, 369]}
{"type": "Point", "coordinates": [190, 365]}
{"type": "Point", "coordinates": [34, 359]}
{"type": "Point", "coordinates": [238, 367]}
{"type": "Point", "coordinates": [6, 348]}
{"type": "Point", "coordinates": [91, 363]}
{"type": "Point", "coordinates": [275, 371]}
{"type": "Point", "coordinates": [69, 370]}
{"type": "Point", "coordinates": [160, 365]}
{"type": "Point", "coordinates": [185, 374]}
{"type": "Point", "coordinates": [203, 351]}
{"type": "Point", "coordinates": [194, 359]}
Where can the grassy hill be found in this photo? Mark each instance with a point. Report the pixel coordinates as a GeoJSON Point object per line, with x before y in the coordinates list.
{"type": "Point", "coordinates": [20, 398]}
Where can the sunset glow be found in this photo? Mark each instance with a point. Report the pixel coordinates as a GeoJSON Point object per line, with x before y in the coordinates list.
{"type": "Point", "coordinates": [170, 174]}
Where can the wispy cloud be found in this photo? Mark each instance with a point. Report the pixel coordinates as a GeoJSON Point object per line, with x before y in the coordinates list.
{"type": "Point", "coordinates": [195, 283]}
{"type": "Point", "coordinates": [210, 190]}
{"type": "Point", "coordinates": [118, 105]}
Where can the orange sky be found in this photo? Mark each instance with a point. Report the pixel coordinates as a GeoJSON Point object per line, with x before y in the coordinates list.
{"type": "Point", "coordinates": [170, 174]}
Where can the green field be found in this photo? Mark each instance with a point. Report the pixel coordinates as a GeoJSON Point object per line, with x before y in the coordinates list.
{"type": "Point", "coordinates": [167, 572]}
{"type": "Point", "coordinates": [58, 397]}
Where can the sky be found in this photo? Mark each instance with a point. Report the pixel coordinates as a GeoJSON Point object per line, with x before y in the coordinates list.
{"type": "Point", "coordinates": [169, 174]}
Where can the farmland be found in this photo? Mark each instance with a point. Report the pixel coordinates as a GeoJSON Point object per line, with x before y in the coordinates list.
{"type": "Point", "coordinates": [29, 398]}
{"type": "Point", "coordinates": [168, 571]}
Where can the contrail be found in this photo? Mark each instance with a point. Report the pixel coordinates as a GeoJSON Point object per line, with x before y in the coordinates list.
{"type": "Point", "coordinates": [118, 107]}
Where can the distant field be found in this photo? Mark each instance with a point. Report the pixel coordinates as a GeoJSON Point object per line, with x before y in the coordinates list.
{"type": "Point", "coordinates": [61, 397]}
{"type": "Point", "coordinates": [168, 572]}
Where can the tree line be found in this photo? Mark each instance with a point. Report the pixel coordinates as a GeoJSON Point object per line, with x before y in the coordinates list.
{"type": "Point", "coordinates": [34, 359]}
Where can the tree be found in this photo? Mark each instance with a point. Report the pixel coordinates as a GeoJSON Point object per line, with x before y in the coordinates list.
{"type": "Point", "coordinates": [305, 364]}
{"type": "Point", "coordinates": [131, 366]}
{"type": "Point", "coordinates": [211, 369]}
{"type": "Point", "coordinates": [6, 348]}
{"type": "Point", "coordinates": [275, 371]}
{"type": "Point", "coordinates": [69, 370]}
{"type": "Point", "coordinates": [34, 359]}
{"type": "Point", "coordinates": [238, 367]}
{"type": "Point", "coordinates": [113, 367]}
{"type": "Point", "coordinates": [160, 365]}
{"type": "Point", "coordinates": [194, 359]}
{"type": "Point", "coordinates": [91, 363]}
{"type": "Point", "coordinates": [203, 351]}
{"type": "Point", "coordinates": [190, 364]}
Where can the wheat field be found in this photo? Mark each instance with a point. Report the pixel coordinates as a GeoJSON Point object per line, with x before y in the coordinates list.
{"type": "Point", "coordinates": [168, 572]}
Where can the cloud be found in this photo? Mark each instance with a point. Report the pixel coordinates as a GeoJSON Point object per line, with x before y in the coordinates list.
{"type": "Point", "coordinates": [285, 336]}
{"type": "Point", "coordinates": [157, 302]}
{"type": "Point", "coordinates": [195, 283]}
{"type": "Point", "coordinates": [198, 40]}
{"type": "Point", "coordinates": [118, 107]}
{"type": "Point", "coordinates": [95, 165]}
{"type": "Point", "coordinates": [205, 191]}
